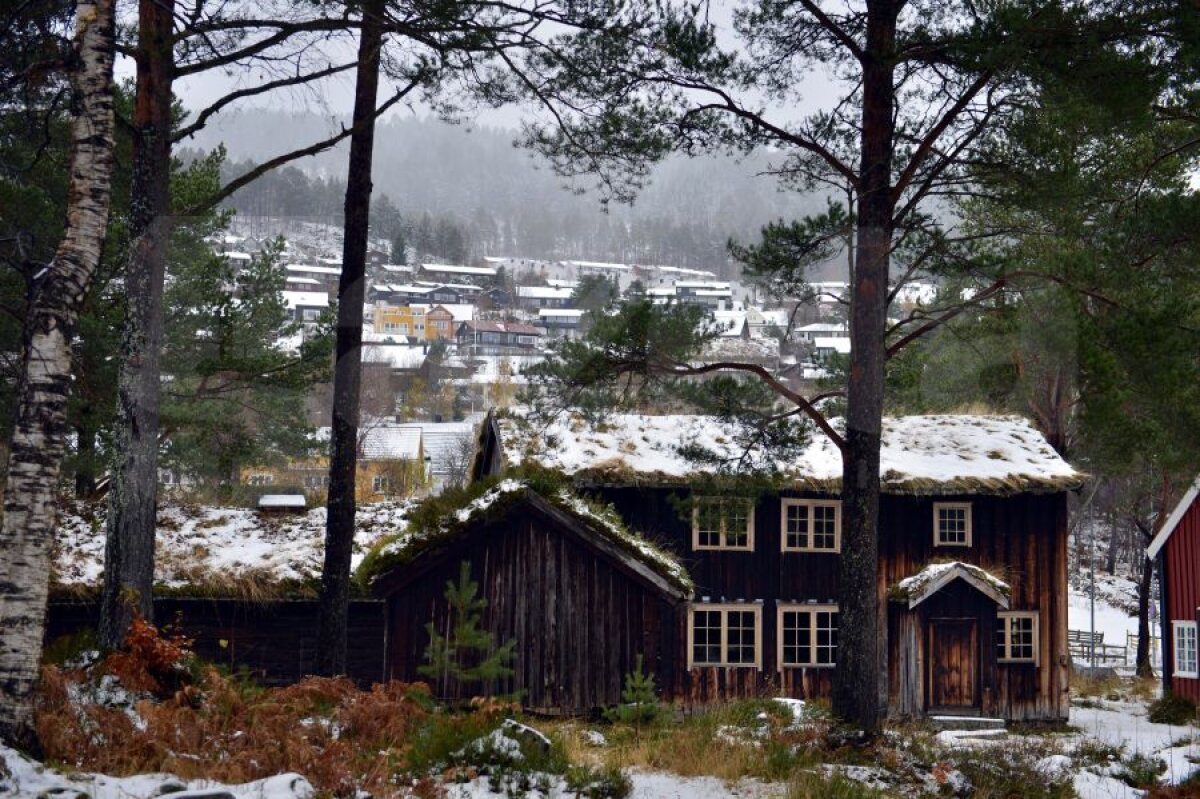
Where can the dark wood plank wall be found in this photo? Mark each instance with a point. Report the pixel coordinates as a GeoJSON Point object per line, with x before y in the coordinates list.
{"type": "Point", "coordinates": [1182, 565]}
{"type": "Point", "coordinates": [275, 641]}
{"type": "Point", "coordinates": [1021, 539]}
{"type": "Point", "coordinates": [579, 621]}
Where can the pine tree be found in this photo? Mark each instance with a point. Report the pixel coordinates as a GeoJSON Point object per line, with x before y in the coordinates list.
{"type": "Point", "coordinates": [639, 700]}
{"type": "Point", "coordinates": [468, 654]}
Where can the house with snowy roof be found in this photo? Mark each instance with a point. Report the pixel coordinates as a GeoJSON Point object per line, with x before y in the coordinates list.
{"type": "Point", "coordinates": [972, 565]}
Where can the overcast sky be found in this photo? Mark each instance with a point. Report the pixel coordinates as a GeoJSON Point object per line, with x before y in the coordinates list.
{"type": "Point", "coordinates": [333, 97]}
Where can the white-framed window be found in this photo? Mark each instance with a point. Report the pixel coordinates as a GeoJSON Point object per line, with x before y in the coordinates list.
{"type": "Point", "coordinates": [811, 525]}
{"type": "Point", "coordinates": [260, 479]}
{"type": "Point", "coordinates": [310, 314]}
{"type": "Point", "coordinates": [807, 635]}
{"type": "Point", "coordinates": [380, 484]}
{"type": "Point", "coordinates": [1183, 637]}
{"type": "Point", "coordinates": [722, 523]}
{"type": "Point", "coordinates": [725, 635]}
{"type": "Point", "coordinates": [952, 524]}
{"type": "Point", "coordinates": [390, 327]}
{"type": "Point", "coordinates": [1017, 636]}
{"type": "Point", "coordinates": [316, 481]}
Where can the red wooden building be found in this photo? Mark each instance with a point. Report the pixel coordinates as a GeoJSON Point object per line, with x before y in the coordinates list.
{"type": "Point", "coordinates": [1177, 549]}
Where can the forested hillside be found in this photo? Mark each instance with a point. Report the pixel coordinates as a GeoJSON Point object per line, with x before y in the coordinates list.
{"type": "Point", "coordinates": [475, 179]}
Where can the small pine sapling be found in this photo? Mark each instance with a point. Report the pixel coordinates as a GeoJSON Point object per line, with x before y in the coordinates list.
{"type": "Point", "coordinates": [639, 701]}
{"type": "Point", "coordinates": [466, 655]}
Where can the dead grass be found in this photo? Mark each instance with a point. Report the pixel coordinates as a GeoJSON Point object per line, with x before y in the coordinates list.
{"type": "Point", "coordinates": [1090, 686]}
{"type": "Point", "coordinates": [149, 708]}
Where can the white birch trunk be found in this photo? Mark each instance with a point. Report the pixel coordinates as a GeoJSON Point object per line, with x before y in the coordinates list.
{"type": "Point", "coordinates": [40, 428]}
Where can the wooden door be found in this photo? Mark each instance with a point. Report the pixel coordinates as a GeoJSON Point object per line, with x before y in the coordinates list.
{"type": "Point", "coordinates": [953, 664]}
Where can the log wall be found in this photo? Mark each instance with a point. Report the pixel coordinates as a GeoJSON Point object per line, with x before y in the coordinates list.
{"type": "Point", "coordinates": [275, 641]}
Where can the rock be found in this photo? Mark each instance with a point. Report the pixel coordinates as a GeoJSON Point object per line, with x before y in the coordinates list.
{"type": "Point", "coordinates": [595, 738]}
{"type": "Point", "coordinates": [526, 735]}
{"type": "Point", "coordinates": [170, 785]}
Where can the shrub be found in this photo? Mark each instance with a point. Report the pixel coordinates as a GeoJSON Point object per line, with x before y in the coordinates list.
{"type": "Point", "coordinates": [639, 701]}
{"type": "Point", "coordinates": [1140, 771]}
{"type": "Point", "coordinates": [1173, 709]}
{"type": "Point", "coordinates": [593, 783]}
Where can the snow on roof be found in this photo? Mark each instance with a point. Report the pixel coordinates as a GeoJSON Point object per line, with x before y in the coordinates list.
{"type": "Point", "coordinates": [1174, 519]}
{"type": "Point", "coordinates": [311, 299]}
{"type": "Point", "coordinates": [822, 327]}
{"type": "Point", "coordinates": [661, 292]}
{"type": "Point", "coordinates": [461, 312]}
{"type": "Point", "coordinates": [702, 284]}
{"type": "Point", "coordinates": [732, 348]}
{"type": "Point", "coordinates": [839, 344]}
{"type": "Point", "coordinates": [598, 265]}
{"type": "Point", "coordinates": [282, 501]}
{"type": "Point", "coordinates": [965, 454]}
{"type": "Point", "coordinates": [212, 548]}
{"type": "Point", "coordinates": [927, 582]}
{"type": "Point", "coordinates": [391, 442]}
{"type": "Point", "coordinates": [544, 293]}
{"type": "Point", "coordinates": [315, 270]}
{"type": "Point", "coordinates": [712, 293]}
{"type": "Point", "coordinates": [403, 547]}
{"type": "Point", "coordinates": [573, 313]}
{"type": "Point", "coordinates": [562, 284]}
{"type": "Point", "coordinates": [454, 269]}
{"type": "Point", "coordinates": [233, 255]}
{"type": "Point", "coordinates": [398, 356]}
{"type": "Point", "coordinates": [306, 281]}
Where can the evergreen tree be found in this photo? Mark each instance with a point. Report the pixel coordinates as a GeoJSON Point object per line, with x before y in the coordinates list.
{"type": "Point", "coordinates": [465, 655]}
{"type": "Point", "coordinates": [639, 700]}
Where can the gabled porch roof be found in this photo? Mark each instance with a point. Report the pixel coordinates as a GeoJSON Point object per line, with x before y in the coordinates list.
{"type": "Point", "coordinates": [921, 586]}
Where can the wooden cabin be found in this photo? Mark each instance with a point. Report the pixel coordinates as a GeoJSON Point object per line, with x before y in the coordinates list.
{"type": "Point", "coordinates": [582, 598]}
{"type": "Point", "coordinates": [972, 575]}
{"type": "Point", "coordinates": [1177, 551]}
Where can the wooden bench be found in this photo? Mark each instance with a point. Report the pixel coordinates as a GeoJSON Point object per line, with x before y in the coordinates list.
{"type": "Point", "coordinates": [1085, 645]}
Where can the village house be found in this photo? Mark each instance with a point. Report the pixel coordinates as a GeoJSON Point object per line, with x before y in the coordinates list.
{"type": "Point", "coordinates": [478, 337]}
{"type": "Point", "coordinates": [535, 297]}
{"type": "Point", "coordinates": [1176, 548]}
{"type": "Point", "coordinates": [972, 560]}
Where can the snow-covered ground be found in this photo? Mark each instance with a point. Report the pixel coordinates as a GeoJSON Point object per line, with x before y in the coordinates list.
{"type": "Point", "coordinates": [1116, 601]}
{"type": "Point", "coordinates": [1120, 727]}
{"type": "Point", "coordinates": [22, 777]}
{"type": "Point", "coordinates": [195, 542]}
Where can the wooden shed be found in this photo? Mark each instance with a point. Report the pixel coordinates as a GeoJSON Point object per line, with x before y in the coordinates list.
{"type": "Point", "coordinates": [581, 596]}
{"type": "Point", "coordinates": [1177, 550]}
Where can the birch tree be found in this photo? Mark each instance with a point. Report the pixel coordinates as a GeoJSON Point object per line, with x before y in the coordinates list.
{"type": "Point", "coordinates": [40, 429]}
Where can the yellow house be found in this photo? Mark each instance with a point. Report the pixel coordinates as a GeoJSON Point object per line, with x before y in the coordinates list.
{"type": "Point", "coordinates": [400, 319]}
{"type": "Point", "coordinates": [391, 465]}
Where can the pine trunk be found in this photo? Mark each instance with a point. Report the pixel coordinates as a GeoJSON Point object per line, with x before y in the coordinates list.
{"type": "Point", "coordinates": [859, 688]}
{"type": "Point", "coordinates": [1144, 667]}
{"type": "Point", "coordinates": [40, 427]}
{"type": "Point", "coordinates": [129, 549]}
{"type": "Point", "coordinates": [347, 375]}
{"type": "Point", "coordinates": [85, 458]}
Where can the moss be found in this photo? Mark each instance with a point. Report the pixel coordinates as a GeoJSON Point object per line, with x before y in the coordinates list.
{"type": "Point", "coordinates": [439, 519]}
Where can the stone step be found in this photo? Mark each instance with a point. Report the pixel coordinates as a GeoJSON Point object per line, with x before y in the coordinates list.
{"type": "Point", "coordinates": [966, 723]}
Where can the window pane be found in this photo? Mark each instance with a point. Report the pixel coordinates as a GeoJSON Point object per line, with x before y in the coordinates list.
{"type": "Point", "coordinates": [740, 647]}
{"type": "Point", "coordinates": [790, 623]}
{"type": "Point", "coordinates": [796, 534]}
{"type": "Point", "coordinates": [952, 525]}
{"type": "Point", "coordinates": [735, 531]}
{"type": "Point", "coordinates": [824, 526]}
{"type": "Point", "coordinates": [1001, 638]}
{"type": "Point", "coordinates": [825, 630]}
{"type": "Point", "coordinates": [706, 637]}
{"type": "Point", "coordinates": [1021, 638]}
{"type": "Point", "coordinates": [708, 523]}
